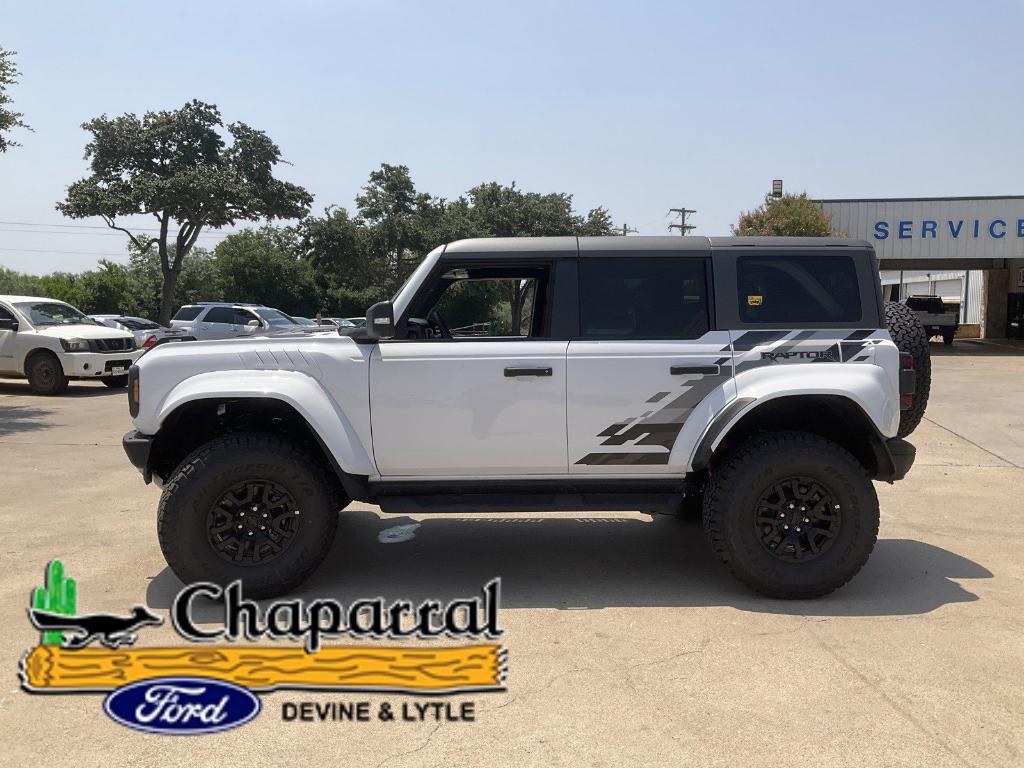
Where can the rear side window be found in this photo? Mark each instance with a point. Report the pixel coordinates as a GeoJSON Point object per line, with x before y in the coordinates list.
{"type": "Point", "coordinates": [782, 290]}
{"type": "Point", "coordinates": [643, 298]}
{"type": "Point", "coordinates": [220, 315]}
{"type": "Point", "coordinates": [187, 313]}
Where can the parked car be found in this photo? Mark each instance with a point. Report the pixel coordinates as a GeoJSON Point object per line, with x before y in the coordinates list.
{"type": "Point", "coordinates": [206, 320]}
{"type": "Point", "coordinates": [50, 342]}
{"type": "Point", "coordinates": [147, 333]}
{"type": "Point", "coordinates": [759, 377]}
{"type": "Point", "coordinates": [937, 317]}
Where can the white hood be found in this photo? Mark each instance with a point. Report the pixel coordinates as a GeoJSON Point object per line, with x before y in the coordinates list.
{"type": "Point", "coordinates": [82, 332]}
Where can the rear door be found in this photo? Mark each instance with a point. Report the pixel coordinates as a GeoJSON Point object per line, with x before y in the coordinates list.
{"type": "Point", "coordinates": [645, 357]}
{"type": "Point", "coordinates": [217, 323]}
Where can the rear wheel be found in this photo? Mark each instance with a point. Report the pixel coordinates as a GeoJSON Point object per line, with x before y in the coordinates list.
{"type": "Point", "coordinates": [45, 374]}
{"type": "Point", "coordinates": [910, 337]}
{"type": "Point", "coordinates": [947, 337]}
{"type": "Point", "coordinates": [793, 515]}
{"type": "Point", "coordinates": [253, 506]}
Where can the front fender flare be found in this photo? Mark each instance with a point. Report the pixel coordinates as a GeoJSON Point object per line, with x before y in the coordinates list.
{"type": "Point", "coordinates": [299, 390]}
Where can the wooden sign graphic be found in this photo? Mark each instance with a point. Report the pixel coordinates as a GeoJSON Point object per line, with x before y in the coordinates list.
{"type": "Point", "coordinates": [50, 668]}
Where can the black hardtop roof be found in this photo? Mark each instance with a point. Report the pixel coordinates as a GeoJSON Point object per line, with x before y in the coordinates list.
{"type": "Point", "coordinates": [583, 246]}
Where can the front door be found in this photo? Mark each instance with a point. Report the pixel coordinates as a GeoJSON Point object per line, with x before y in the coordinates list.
{"type": "Point", "coordinates": [645, 360]}
{"type": "Point", "coordinates": [476, 387]}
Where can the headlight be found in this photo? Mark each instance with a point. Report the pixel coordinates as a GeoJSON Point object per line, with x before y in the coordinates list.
{"type": "Point", "coordinates": [75, 345]}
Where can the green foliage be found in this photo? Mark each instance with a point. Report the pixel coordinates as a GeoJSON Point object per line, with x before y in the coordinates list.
{"type": "Point", "coordinates": [793, 215]}
{"type": "Point", "coordinates": [338, 263]}
{"type": "Point", "coordinates": [176, 166]}
{"type": "Point", "coordinates": [9, 119]}
{"type": "Point", "coordinates": [59, 595]}
{"type": "Point", "coordinates": [264, 267]}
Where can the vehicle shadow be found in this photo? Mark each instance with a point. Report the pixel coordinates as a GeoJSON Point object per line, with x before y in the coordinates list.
{"type": "Point", "coordinates": [75, 389]}
{"type": "Point", "coordinates": [583, 563]}
{"type": "Point", "coordinates": [24, 418]}
{"type": "Point", "coordinates": [977, 348]}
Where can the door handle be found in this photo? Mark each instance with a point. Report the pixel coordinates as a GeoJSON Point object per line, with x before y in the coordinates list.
{"type": "Point", "coordinates": [680, 370]}
{"type": "Point", "coordinates": [510, 372]}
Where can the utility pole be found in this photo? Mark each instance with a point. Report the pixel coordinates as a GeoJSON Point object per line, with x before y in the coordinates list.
{"type": "Point", "coordinates": [626, 229]}
{"type": "Point", "coordinates": [682, 226]}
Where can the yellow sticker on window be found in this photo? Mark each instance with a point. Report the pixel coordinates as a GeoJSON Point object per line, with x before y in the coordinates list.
{"type": "Point", "coordinates": [755, 301]}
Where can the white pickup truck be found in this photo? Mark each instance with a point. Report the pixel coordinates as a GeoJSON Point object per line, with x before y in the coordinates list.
{"type": "Point", "coordinates": [50, 342]}
{"type": "Point", "coordinates": [936, 317]}
{"type": "Point", "coordinates": [755, 376]}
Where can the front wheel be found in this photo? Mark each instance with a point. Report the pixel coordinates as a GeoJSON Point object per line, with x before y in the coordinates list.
{"type": "Point", "coordinates": [253, 506]}
{"type": "Point", "coordinates": [948, 336]}
{"type": "Point", "coordinates": [46, 374]}
{"type": "Point", "coordinates": [793, 515]}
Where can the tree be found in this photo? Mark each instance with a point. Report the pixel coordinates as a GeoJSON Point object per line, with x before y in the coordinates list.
{"type": "Point", "coordinates": [8, 118]}
{"type": "Point", "coordinates": [262, 267]}
{"type": "Point", "coordinates": [793, 215]}
{"type": "Point", "coordinates": [176, 166]}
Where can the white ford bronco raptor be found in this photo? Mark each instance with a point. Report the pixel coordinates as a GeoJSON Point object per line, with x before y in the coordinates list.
{"type": "Point", "coordinates": [758, 377]}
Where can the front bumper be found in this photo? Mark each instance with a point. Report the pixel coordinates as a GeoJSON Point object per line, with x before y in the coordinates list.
{"type": "Point", "coordinates": [87, 365]}
{"type": "Point", "coordinates": [138, 447]}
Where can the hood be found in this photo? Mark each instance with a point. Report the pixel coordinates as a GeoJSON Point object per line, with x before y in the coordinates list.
{"type": "Point", "coordinates": [82, 332]}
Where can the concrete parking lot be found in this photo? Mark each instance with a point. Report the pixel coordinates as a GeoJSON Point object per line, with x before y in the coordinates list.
{"type": "Point", "coordinates": [628, 644]}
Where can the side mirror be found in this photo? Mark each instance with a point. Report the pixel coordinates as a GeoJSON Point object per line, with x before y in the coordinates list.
{"type": "Point", "coordinates": [253, 324]}
{"type": "Point", "coordinates": [8, 324]}
{"type": "Point", "coordinates": [380, 321]}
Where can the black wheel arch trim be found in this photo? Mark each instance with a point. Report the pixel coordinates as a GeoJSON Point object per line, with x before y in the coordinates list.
{"type": "Point", "coordinates": [893, 457]}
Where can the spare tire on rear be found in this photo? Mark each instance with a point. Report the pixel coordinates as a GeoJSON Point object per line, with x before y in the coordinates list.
{"type": "Point", "coordinates": [910, 337]}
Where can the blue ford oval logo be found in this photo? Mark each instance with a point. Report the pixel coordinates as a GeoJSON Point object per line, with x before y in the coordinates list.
{"type": "Point", "coordinates": [182, 705]}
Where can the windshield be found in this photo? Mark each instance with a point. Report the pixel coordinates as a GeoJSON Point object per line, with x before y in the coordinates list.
{"type": "Point", "coordinates": [305, 321]}
{"type": "Point", "coordinates": [53, 313]}
{"type": "Point", "coordinates": [276, 318]}
{"type": "Point", "coordinates": [137, 324]}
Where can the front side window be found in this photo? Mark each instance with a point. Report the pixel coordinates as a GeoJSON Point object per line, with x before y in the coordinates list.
{"type": "Point", "coordinates": [806, 289]}
{"type": "Point", "coordinates": [42, 313]}
{"type": "Point", "coordinates": [643, 298]}
{"type": "Point", "coordinates": [484, 302]}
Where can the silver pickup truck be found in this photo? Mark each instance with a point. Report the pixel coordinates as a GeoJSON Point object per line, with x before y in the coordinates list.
{"type": "Point", "coordinates": [937, 317]}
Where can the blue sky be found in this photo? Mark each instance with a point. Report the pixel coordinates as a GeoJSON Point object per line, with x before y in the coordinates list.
{"type": "Point", "coordinates": [638, 106]}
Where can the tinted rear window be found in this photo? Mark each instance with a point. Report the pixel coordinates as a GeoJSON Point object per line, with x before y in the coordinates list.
{"type": "Point", "coordinates": [187, 313]}
{"type": "Point", "coordinates": [783, 290]}
{"type": "Point", "coordinates": [643, 298]}
{"type": "Point", "coordinates": [220, 315]}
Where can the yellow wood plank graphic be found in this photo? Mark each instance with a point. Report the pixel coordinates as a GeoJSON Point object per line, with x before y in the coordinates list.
{"type": "Point", "coordinates": [416, 670]}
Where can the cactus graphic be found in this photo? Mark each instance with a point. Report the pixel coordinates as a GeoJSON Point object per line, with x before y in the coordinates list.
{"type": "Point", "coordinates": [58, 596]}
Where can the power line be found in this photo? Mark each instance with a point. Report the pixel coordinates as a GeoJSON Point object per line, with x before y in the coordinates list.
{"type": "Point", "coordinates": [97, 234]}
{"type": "Point", "coordinates": [87, 226]}
{"type": "Point", "coordinates": [73, 253]}
{"type": "Point", "coordinates": [682, 226]}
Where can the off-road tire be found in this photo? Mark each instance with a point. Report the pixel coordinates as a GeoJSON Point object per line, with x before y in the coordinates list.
{"type": "Point", "coordinates": [116, 382]}
{"type": "Point", "coordinates": [45, 374]}
{"type": "Point", "coordinates": [910, 336]}
{"type": "Point", "coordinates": [731, 501]}
{"type": "Point", "coordinates": [205, 474]}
